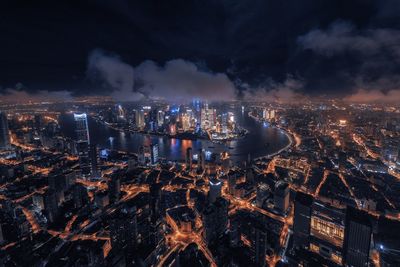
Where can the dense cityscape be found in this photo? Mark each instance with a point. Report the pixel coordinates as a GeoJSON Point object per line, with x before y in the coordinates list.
{"type": "Point", "coordinates": [211, 133]}
{"type": "Point", "coordinates": [329, 197]}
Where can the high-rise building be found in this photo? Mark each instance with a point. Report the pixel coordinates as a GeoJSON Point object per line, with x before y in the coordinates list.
{"type": "Point", "coordinates": [272, 114]}
{"type": "Point", "coordinates": [123, 230]}
{"type": "Point", "coordinates": [215, 219]}
{"type": "Point", "coordinates": [142, 155]}
{"type": "Point", "coordinates": [232, 177]}
{"type": "Point", "coordinates": [201, 160]}
{"type": "Point", "coordinates": [160, 118]}
{"type": "Point", "coordinates": [101, 199]}
{"type": "Point", "coordinates": [265, 114]}
{"type": "Point", "coordinates": [121, 112]}
{"type": "Point", "coordinates": [189, 158]}
{"type": "Point", "coordinates": [154, 153]}
{"type": "Point", "coordinates": [208, 118]}
{"type": "Point", "coordinates": [1, 235]}
{"type": "Point", "coordinates": [234, 233]}
{"type": "Point", "coordinates": [94, 160]}
{"type": "Point", "coordinates": [80, 196]}
{"type": "Point", "coordinates": [215, 190]}
{"type": "Point", "coordinates": [302, 219]}
{"type": "Point", "coordinates": [281, 197]}
{"type": "Point", "coordinates": [140, 119]}
{"type": "Point", "coordinates": [259, 247]}
{"type": "Point", "coordinates": [250, 175]}
{"type": "Point", "coordinates": [327, 232]}
{"type": "Point", "coordinates": [51, 205]}
{"type": "Point", "coordinates": [114, 187]}
{"type": "Point", "coordinates": [185, 119]}
{"type": "Point", "coordinates": [155, 199]}
{"type": "Point", "coordinates": [172, 128]}
{"type": "Point", "coordinates": [253, 234]}
{"type": "Point", "coordinates": [83, 143]}
{"type": "Point", "coordinates": [263, 192]}
{"type": "Point", "coordinates": [4, 132]}
{"type": "Point", "coordinates": [82, 128]}
{"type": "Point", "coordinates": [357, 238]}
{"type": "Point", "coordinates": [38, 119]}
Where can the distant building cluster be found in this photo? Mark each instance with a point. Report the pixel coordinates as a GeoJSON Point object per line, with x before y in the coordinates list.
{"type": "Point", "coordinates": [329, 197]}
{"type": "Point", "coordinates": [197, 120]}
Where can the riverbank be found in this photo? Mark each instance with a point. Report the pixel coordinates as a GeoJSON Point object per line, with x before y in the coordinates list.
{"type": "Point", "coordinates": [181, 136]}
{"type": "Point", "coordinates": [282, 130]}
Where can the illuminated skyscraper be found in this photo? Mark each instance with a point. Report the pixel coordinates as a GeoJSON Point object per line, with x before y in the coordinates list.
{"type": "Point", "coordinates": [154, 153]}
{"type": "Point", "coordinates": [172, 129]}
{"type": "Point", "coordinates": [83, 143]}
{"type": "Point", "coordinates": [4, 134]}
{"type": "Point", "coordinates": [185, 122]}
{"type": "Point", "coordinates": [160, 118]}
{"type": "Point", "coordinates": [265, 114]}
{"type": "Point", "coordinates": [139, 119]}
{"type": "Point", "coordinates": [272, 114]}
{"type": "Point", "coordinates": [208, 117]}
{"type": "Point", "coordinates": [82, 129]}
{"type": "Point", "coordinates": [121, 112]}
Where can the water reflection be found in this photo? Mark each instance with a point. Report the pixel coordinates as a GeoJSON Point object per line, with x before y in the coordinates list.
{"type": "Point", "coordinates": [261, 140]}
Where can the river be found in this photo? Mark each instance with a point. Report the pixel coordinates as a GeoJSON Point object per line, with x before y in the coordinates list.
{"type": "Point", "coordinates": [261, 140]}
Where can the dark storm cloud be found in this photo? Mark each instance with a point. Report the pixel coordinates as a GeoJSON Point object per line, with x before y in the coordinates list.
{"type": "Point", "coordinates": [377, 51]}
{"type": "Point", "coordinates": [341, 37]}
{"type": "Point", "coordinates": [327, 47]}
{"type": "Point", "coordinates": [176, 80]}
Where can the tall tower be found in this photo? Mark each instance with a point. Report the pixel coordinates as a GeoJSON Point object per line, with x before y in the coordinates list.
{"type": "Point", "coordinates": [114, 187]}
{"type": "Point", "coordinates": [82, 143]}
{"type": "Point", "coordinates": [154, 153]}
{"type": "Point", "coordinates": [124, 230]}
{"type": "Point", "coordinates": [259, 247]}
{"type": "Point", "coordinates": [357, 242]}
{"type": "Point", "coordinates": [215, 190]}
{"type": "Point", "coordinates": [4, 135]}
{"type": "Point", "coordinates": [140, 119]}
{"type": "Point", "coordinates": [281, 196]}
{"type": "Point", "coordinates": [201, 160]}
{"type": "Point", "coordinates": [302, 219]}
{"type": "Point", "coordinates": [215, 220]}
{"type": "Point", "coordinates": [94, 160]}
{"type": "Point", "coordinates": [189, 158]}
{"type": "Point", "coordinates": [82, 129]}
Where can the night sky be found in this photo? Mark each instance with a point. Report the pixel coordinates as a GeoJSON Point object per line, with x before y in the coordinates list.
{"type": "Point", "coordinates": [208, 49]}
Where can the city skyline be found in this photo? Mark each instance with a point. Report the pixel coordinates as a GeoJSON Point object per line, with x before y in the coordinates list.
{"type": "Point", "coordinates": [200, 133]}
